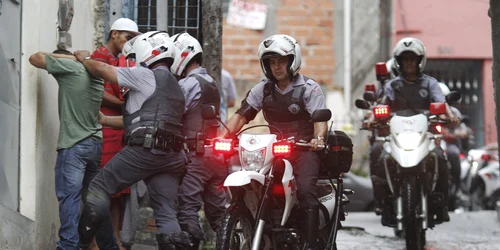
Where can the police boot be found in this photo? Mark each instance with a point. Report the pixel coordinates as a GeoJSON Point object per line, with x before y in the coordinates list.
{"type": "Point", "coordinates": [173, 241]}
{"type": "Point", "coordinates": [311, 223]}
{"type": "Point", "coordinates": [89, 223]}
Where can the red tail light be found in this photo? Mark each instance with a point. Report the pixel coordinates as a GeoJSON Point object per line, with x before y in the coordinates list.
{"type": "Point", "coordinates": [381, 69]}
{"type": "Point", "coordinates": [439, 129]}
{"type": "Point", "coordinates": [485, 157]}
{"type": "Point", "coordinates": [381, 111]}
{"type": "Point", "coordinates": [461, 155]}
{"type": "Point", "coordinates": [370, 87]}
{"type": "Point", "coordinates": [223, 146]}
{"type": "Point", "coordinates": [437, 108]}
{"type": "Point", "coordinates": [282, 149]}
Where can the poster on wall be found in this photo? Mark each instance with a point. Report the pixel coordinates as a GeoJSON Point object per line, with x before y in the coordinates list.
{"type": "Point", "coordinates": [246, 14]}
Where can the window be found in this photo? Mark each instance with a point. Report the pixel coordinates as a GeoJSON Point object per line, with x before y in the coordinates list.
{"type": "Point", "coordinates": [184, 15]}
{"type": "Point", "coordinates": [145, 15]}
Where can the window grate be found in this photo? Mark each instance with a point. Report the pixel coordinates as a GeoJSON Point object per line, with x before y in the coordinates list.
{"type": "Point", "coordinates": [145, 15]}
{"type": "Point", "coordinates": [184, 15]}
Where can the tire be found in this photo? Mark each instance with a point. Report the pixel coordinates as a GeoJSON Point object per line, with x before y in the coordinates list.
{"type": "Point", "coordinates": [235, 231]}
{"type": "Point", "coordinates": [411, 223]}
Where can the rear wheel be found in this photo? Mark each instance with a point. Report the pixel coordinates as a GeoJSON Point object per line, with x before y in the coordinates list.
{"type": "Point", "coordinates": [411, 223]}
{"type": "Point", "coordinates": [236, 229]}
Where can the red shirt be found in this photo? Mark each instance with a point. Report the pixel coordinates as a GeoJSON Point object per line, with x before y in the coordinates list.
{"type": "Point", "coordinates": [102, 54]}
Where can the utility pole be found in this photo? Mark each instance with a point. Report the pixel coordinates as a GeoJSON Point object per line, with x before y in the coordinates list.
{"type": "Point", "coordinates": [494, 13]}
{"type": "Point", "coordinates": [211, 36]}
{"type": "Point", "coordinates": [385, 41]}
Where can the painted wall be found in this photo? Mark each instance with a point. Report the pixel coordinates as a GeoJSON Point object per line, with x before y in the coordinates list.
{"type": "Point", "coordinates": [448, 28]}
{"type": "Point", "coordinates": [39, 117]}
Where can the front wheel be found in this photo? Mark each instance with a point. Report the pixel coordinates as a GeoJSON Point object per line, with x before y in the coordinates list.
{"type": "Point", "coordinates": [236, 229]}
{"type": "Point", "coordinates": [411, 222]}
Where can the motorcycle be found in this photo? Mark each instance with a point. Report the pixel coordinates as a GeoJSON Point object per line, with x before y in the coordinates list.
{"type": "Point", "coordinates": [485, 187]}
{"type": "Point", "coordinates": [264, 211]}
{"type": "Point", "coordinates": [412, 206]}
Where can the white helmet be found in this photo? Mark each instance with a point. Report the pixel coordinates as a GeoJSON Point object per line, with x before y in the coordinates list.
{"type": "Point", "coordinates": [391, 68]}
{"type": "Point", "coordinates": [125, 24]}
{"type": "Point", "coordinates": [282, 45]}
{"type": "Point", "coordinates": [187, 47]}
{"type": "Point", "coordinates": [153, 46]}
{"type": "Point", "coordinates": [444, 88]}
{"type": "Point", "coordinates": [128, 48]}
{"type": "Point", "coordinates": [410, 44]}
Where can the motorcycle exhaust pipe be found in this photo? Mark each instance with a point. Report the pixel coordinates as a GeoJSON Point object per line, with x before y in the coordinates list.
{"type": "Point", "coordinates": [258, 235]}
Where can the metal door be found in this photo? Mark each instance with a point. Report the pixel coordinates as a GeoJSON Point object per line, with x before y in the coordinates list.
{"type": "Point", "coordinates": [10, 70]}
{"type": "Point", "coordinates": [466, 77]}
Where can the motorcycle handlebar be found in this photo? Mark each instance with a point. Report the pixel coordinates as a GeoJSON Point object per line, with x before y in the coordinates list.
{"type": "Point", "coordinates": [307, 145]}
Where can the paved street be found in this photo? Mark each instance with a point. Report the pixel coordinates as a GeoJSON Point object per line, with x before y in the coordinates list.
{"type": "Point", "coordinates": [468, 231]}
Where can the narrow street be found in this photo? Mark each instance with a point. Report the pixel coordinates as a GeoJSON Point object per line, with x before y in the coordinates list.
{"type": "Point", "coordinates": [470, 230]}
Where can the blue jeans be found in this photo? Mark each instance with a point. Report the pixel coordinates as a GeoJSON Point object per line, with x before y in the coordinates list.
{"type": "Point", "coordinates": [75, 168]}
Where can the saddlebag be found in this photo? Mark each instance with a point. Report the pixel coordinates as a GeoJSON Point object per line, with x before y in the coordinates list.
{"type": "Point", "coordinates": [338, 159]}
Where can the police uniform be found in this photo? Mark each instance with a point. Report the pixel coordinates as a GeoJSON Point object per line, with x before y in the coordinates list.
{"type": "Point", "coordinates": [203, 182]}
{"type": "Point", "coordinates": [420, 94]}
{"type": "Point", "coordinates": [153, 135]}
{"type": "Point", "coordinates": [290, 110]}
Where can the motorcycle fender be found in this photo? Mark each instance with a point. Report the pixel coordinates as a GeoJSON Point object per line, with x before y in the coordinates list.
{"type": "Point", "coordinates": [290, 187]}
{"type": "Point", "coordinates": [491, 183]}
{"type": "Point", "coordinates": [408, 159]}
{"type": "Point", "coordinates": [242, 178]}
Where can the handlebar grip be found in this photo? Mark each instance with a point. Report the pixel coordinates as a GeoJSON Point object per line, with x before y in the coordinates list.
{"type": "Point", "coordinates": [307, 145]}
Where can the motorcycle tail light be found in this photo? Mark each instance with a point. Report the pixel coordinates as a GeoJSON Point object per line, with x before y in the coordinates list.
{"type": "Point", "coordinates": [370, 87]}
{"type": "Point", "coordinates": [223, 146]}
{"type": "Point", "coordinates": [439, 129]}
{"type": "Point", "coordinates": [282, 149]}
{"type": "Point", "coordinates": [485, 157]}
{"type": "Point", "coordinates": [461, 155]}
{"type": "Point", "coordinates": [437, 108]}
{"type": "Point", "coordinates": [381, 111]}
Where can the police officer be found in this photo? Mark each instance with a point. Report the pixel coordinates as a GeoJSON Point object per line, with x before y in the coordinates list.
{"type": "Point", "coordinates": [288, 99]}
{"type": "Point", "coordinates": [152, 122]}
{"type": "Point", "coordinates": [415, 90]}
{"type": "Point", "coordinates": [205, 175]}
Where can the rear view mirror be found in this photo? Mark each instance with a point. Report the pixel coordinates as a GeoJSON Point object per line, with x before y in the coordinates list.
{"type": "Point", "coordinates": [321, 115]}
{"type": "Point", "coordinates": [361, 104]}
{"type": "Point", "coordinates": [208, 112]}
{"type": "Point", "coordinates": [369, 96]}
{"type": "Point", "coordinates": [437, 108]}
{"type": "Point", "coordinates": [453, 97]}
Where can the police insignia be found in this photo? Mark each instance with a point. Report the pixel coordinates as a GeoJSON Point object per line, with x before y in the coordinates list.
{"type": "Point", "coordinates": [268, 43]}
{"type": "Point", "coordinates": [423, 93]}
{"type": "Point", "coordinates": [294, 109]}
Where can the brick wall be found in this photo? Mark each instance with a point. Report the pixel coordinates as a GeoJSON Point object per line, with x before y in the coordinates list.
{"type": "Point", "coordinates": [308, 21]}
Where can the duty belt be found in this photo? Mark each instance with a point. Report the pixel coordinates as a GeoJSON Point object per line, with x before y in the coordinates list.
{"type": "Point", "coordinates": [162, 140]}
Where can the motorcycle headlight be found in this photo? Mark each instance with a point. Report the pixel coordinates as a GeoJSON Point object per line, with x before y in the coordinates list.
{"type": "Point", "coordinates": [253, 160]}
{"type": "Point", "coordinates": [409, 141]}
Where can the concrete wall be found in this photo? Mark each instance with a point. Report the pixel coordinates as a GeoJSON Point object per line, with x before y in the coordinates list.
{"type": "Point", "coordinates": [39, 117]}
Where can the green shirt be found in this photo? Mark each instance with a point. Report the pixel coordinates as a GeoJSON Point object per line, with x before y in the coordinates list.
{"type": "Point", "coordinates": [79, 100]}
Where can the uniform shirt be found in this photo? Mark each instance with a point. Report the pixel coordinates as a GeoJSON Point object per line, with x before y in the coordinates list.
{"type": "Point", "coordinates": [79, 99]}
{"type": "Point", "coordinates": [313, 95]}
{"type": "Point", "coordinates": [191, 87]}
{"type": "Point", "coordinates": [436, 95]}
{"type": "Point", "coordinates": [141, 82]}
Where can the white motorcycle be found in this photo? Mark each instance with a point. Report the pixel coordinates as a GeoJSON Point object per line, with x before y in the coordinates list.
{"type": "Point", "coordinates": [264, 210]}
{"type": "Point", "coordinates": [412, 206]}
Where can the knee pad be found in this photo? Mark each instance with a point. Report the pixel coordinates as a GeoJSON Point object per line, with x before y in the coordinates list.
{"type": "Point", "coordinates": [90, 222]}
